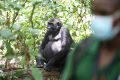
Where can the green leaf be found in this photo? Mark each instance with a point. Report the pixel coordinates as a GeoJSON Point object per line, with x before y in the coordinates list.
{"type": "Point", "coordinates": [29, 42]}
{"type": "Point", "coordinates": [2, 21]}
{"type": "Point", "coordinates": [18, 73]}
{"type": "Point", "coordinates": [26, 78]}
{"type": "Point", "coordinates": [16, 27]}
{"type": "Point", "coordinates": [36, 1]}
{"type": "Point", "coordinates": [7, 34]}
{"type": "Point", "coordinates": [36, 74]}
{"type": "Point", "coordinates": [1, 5]}
{"type": "Point", "coordinates": [1, 43]}
{"type": "Point", "coordinates": [18, 7]}
{"type": "Point", "coordinates": [10, 52]}
{"type": "Point", "coordinates": [34, 31]}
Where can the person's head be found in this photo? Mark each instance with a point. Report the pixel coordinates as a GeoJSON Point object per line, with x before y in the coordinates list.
{"type": "Point", "coordinates": [106, 18]}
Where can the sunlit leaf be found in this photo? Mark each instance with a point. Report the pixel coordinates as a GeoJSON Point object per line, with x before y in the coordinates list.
{"type": "Point", "coordinates": [10, 52]}
{"type": "Point", "coordinates": [2, 21]}
{"type": "Point", "coordinates": [34, 31]}
{"type": "Point", "coordinates": [16, 27]}
{"type": "Point", "coordinates": [35, 1]}
{"type": "Point", "coordinates": [18, 6]}
{"type": "Point", "coordinates": [1, 4]}
{"type": "Point", "coordinates": [29, 42]}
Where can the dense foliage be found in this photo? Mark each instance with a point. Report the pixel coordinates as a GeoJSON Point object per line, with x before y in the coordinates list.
{"type": "Point", "coordinates": [23, 24]}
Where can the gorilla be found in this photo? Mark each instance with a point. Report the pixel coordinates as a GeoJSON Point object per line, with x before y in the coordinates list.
{"type": "Point", "coordinates": [55, 46]}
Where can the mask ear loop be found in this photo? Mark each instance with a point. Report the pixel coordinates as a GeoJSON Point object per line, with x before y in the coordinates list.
{"type": "Point", "coordinates": [117, 14]}
{"type": "Point", "coordinates": [115, 21]}
{"type": "Point", "coordinates": [116, 17]}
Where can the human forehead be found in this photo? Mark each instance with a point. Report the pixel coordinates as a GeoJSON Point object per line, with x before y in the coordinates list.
{"type": "Point", "coordinates": [107, 2]}
{"type": "Point", "coordinates": [106, 5]}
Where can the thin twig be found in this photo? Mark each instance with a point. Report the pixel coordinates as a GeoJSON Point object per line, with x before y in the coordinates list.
{"type": "Point", "coordinates": [31, 16]}
{"type": "Point", "coordinates": [31, 20]}
{"type": "Point", "coordinates": [16, 13]}
{"type": "Point", "coordinates": [32, 13]}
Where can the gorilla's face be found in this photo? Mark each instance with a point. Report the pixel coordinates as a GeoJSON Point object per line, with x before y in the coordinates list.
{"type": "Point", "coordinates": [54, 27]}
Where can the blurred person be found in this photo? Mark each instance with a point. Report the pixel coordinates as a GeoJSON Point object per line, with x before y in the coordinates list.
{"type": "Point", "coordinates": [98, 56]}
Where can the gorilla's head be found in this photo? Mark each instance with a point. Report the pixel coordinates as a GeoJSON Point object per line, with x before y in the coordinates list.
{"type": "Point", "coordinates": [54, 25]}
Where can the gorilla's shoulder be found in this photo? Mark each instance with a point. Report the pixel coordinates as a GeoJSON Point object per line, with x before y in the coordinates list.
{"type": "Point", "coordinates": [64, 28]}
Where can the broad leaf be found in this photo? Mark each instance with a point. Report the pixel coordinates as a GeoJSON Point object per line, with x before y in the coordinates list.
{"type": "Point", "coordinates": [7, 34]}
{"type": "Point", "coordinates": [36, 74]}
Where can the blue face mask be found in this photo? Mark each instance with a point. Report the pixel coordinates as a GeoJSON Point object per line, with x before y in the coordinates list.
{"type": "Point", "coordinates": [102, 27]}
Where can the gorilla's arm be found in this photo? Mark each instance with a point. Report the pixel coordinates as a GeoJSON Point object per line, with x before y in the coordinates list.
{"type": "Point", "coordinates": [65, 37]}
{"type": "Point", "coordinates": [40, 62]}
{"type": "Point", "coordinates": [45, 41]}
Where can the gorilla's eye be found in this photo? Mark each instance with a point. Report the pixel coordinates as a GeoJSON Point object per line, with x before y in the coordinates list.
{"type": "Point", "coordinates": [58, 24]}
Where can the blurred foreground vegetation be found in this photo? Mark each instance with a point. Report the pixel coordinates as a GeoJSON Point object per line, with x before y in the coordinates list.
{"type": "Point", "coordinates": [22, 27]}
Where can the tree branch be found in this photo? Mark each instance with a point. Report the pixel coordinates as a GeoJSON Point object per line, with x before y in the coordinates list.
{"type": "Point", "coordinates": [16, 13]}
{"type": "Point", "coordinates": [31, 16]}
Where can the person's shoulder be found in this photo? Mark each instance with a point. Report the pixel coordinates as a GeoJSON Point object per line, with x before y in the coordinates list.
{"type": "Point", "coordinates": [87, 41]}
{"type": "Point", "coordinates": [82, 47]}
{"type": "Point", "coordinates": [84, 44]}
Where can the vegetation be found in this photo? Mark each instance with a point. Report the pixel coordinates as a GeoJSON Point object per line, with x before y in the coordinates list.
{"type": "Point", "coordinates": [22, 27]}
